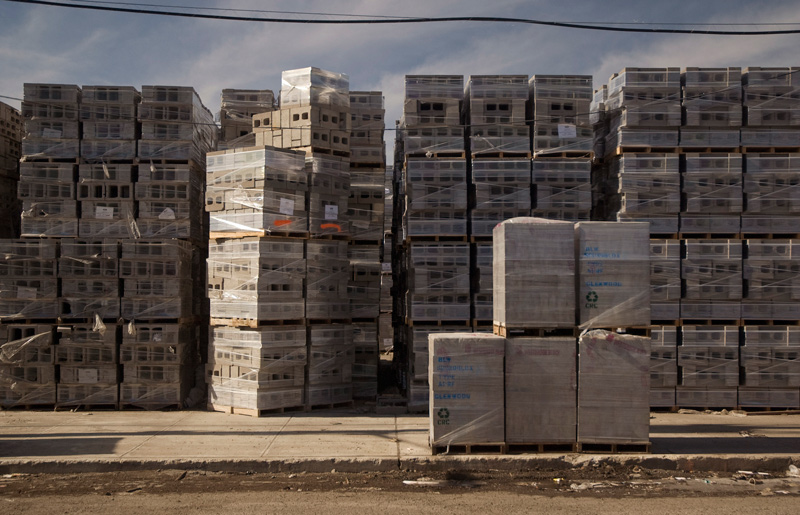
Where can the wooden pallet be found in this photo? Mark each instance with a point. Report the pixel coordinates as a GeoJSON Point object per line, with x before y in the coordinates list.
{"type": "Point", "coordinates": [614, 448]}
{"type": "Point", "coordinates": [564, 154]}
{"type": "Point", "coordinates": [500, 155]}
{"type": "Point", "coordinates": [752, 149]}
{"type": "Point", "coordinates": [438, 155]}
{"type": "Point", "coordinates": [252, 323]}
{"type": "Point", "coordinates": [769, 236]}
{"type": "Point", "coordinates": [709, 235]}
{"type": "Point", "coordinates": [437, 238]}
{"type": "Point", "coordinates": [476, 448]}
{"type": "Point", "coordinates": [331, 405]}
{"type": "Point", "coordinates": [644, 150]}
{"type": "Point", "coordinates": [149, 406]}
{"type": "Point", "coordinates": [710, 321]}
{"type": "Point", "coordinates": [538, 448]}
{"type": "Point", "coordinates": [223, 235]}
{"type": "Point", "coordinates": [438, 323]}
{"type": "Point", "coordinates": [540, 332]}
{"type": "Point", "coordinates": [252, 412]}
{"type": "Point", "coordinates": [708, 150]}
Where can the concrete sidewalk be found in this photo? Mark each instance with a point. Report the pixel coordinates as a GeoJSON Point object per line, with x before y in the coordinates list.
{"type": "Point", "coordinates": [349, 441]}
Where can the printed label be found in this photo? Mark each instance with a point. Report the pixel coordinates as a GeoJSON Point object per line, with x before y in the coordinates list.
{"type": "Point", "coordinates": [287, 206]}
{"type": "Point", "coordinates": [104, 213]}
{"type": "Point", "coordinates": [87, 375]}
{"type": "Point", "coordinates": [26, 292]}
{"type": "Point", "coordinates": [567, 130]}
{"type": "Point", "coordinates": [331, 212]}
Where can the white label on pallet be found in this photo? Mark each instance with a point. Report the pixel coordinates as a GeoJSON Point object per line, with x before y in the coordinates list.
{"type": "Point", "coordinates": [167, 214]}
{"type": "Point", "coordinates": [387, 342]}
{"type": "Point", "coordinates": [104, 213]}
{"type": "Point", "coordinates": [287, 206]}
{"type": "Point", "coordinates": [51, 133]}
{"type": "Point", "coordinates": [87, 375]}
{"type": "Point", "coordinates": [156, 337]}
{"type": "Point", "coordinates": [26, 293]}
{"type": "Point", "coordinates": [567, 130]}
{"type": "Point", "coordinates": [331, 212]}
{"type": "Point", "coordinates": [386, 267]}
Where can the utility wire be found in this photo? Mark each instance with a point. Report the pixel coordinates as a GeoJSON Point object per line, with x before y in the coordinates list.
{"type": "Point", "coordinates": [416, 20]}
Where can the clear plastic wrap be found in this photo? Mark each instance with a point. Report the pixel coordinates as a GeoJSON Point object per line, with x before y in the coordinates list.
{"type": "Point", "coordinates": [770, 357]}
{"type": "Point", "coordinates": [259, 279]}
{"type": "Point", "coordinates": [770, 97]}
{"type": "Point", "coordinates": [430, 141]}
{"type": "Point", "coordinates": [613, 274]}
{"type": "Point", "coordinates": [772, 271]}
{"type": "Point", "coordinates": [541, 385]}
{"type": "Point", "coordinates": [88, 359]}
{"type": "Point", "coordinates": [28, 279]}
{"type": "Point", "coordinates": [499, 139]}
{"type": "Point", "coordinates": [562, 188]}
{"type": "Point", "coordinates": [534, 273]}
{"type": "Point", "coordinates": [314, 86]}
{"type": "Point", "coordinates": [327, 272]}
{"type": "Point", "coordinates": [665, 279]}
{"type": "Point", "coordinates": [649, 185]}
{"type": "Point", "coordinates": [664, 358]}
{"type": "Point", "coordinates": [712, 97]}
{"type": "Point", "coordinates": [364, 284]}
{"type": "Point", "coordinates": [712, 270]}
{"type": "Point", "coordinates": [771, 185]}
{"type": "Point", "coordinates": [175, 124]}
{"type": "Point", "coordinates": [613, 388]}
{"type": "Point", "coordinates": [466, 389]}
{"type": "Point", "coordinates": [434, 86]}
{"type": "Point", "coordinates": [709, 356]}
{"type": "Point", "coordinates": [256, 189]}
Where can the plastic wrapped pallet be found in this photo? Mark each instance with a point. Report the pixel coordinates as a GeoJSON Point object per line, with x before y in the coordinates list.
{"type": "Point", "coordinates": [709, 357]}
{"type": "Point", "coordinates": [534, 273]}
{"type": "Point", "coordinates": [613, 274]}
{"type": "Point", "coordinates": [770, 357]}
{"type": "Point", "coordinates": [541, 390]}
{"type": "Point", "coordinates": [613, 388]}
{"type": "Point", "coordinates": [313, 86]}
{"type": "Point", "coordinates": [257, 188]}
{"type": "Point", "coordinates": [28, 279]}
{"type": "Point", "coordinates": [27, 348]}
{"type": "Point", "coordinates": [466, 389]}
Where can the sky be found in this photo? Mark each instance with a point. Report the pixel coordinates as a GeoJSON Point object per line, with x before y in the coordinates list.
{"type": "Point", "coordinates": [72, 46]}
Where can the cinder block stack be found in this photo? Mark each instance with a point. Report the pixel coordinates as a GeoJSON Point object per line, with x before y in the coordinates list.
{"type": "Point", "coordinates": [562, 146]}
{"type": "Point", "coordinates": [734, 171]}
{"type": "Point", "coordinates": [27, 371]}
{"type": "Point", "coordinates": [433, 262]}
{"type": "Point", "coordinates": [29, 282]}
{"type": "Point", "coordinates": [770, 359]}
{"type": "Point", "coordinates": [237, 108]}
{"type": "Point", "coordinates": [466, 377]}
{"type": "Point", "coordinates": [287, 213]}
{"type": "Point", "coordinates": [663, 366]}
{"type": "Point", "coordinates": [495, 109]}
{"type": "Point", "coordinates": [129, 212]}
{"type": "Point", "coordinates": [708, 360]}
{"type": "Point", "coordinates": [771, 112]}
{"type": "Point", "coordinates": [712, 108]}
{"type": "Point", "coordinates": [644, 107]}
{"type": "Point", "coordinates": [256, 278]}
{"type": "Point", "coordinates": [594, 274]}
{"type": "Point", "coordinates": [10, 152]}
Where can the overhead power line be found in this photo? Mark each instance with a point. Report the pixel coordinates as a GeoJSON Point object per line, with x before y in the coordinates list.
{"type": "Point", "coordinates": [341, 20]}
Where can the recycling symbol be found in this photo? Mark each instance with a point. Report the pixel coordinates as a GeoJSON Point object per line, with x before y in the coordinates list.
{"type": "Point", "coordinates": [444, 413]}
{"type": "Point", "coordinates": [591, 296]}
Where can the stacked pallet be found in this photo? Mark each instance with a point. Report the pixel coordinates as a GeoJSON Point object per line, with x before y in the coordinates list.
{"type": "Point", "coordinates": [495, 110]}
{"type": "Point", "coordinates": [10, 151]}
{"type": "Point", "coordinates": [724, 257]}
{"type": "Point", "coordinates": [560, 390]}
{"type": "Point", "coordinates": [432, 257]}
{"type": "Point", "coordinates": [237, 108]}
{"type": "Point", "coordinates": [129, 218]}
{"type": "Point", "coordinates": [770, 359]}
{"type": "Point", "coordinates": [27, 370]}
{"type": "Point", "coordinates": [257, 280]}
{"type": "Point", "coordinates": [279, 265]}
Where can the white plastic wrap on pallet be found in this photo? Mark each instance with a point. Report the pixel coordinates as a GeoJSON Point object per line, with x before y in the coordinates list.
{"type": "Point", "coordinates": [466, 389]}
{"type": "Point", "coordinates": [613, 274]}
{"type": "Point", "coordinates": [534, 273]}
{"type": "Point", "coordinates": [541, 385]}
{"type": "Point", "coordinates": [613, 388]}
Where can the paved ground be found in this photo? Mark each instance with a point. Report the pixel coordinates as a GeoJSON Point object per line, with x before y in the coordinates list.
{"type": "Point", "coordinates": [350, 441]}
